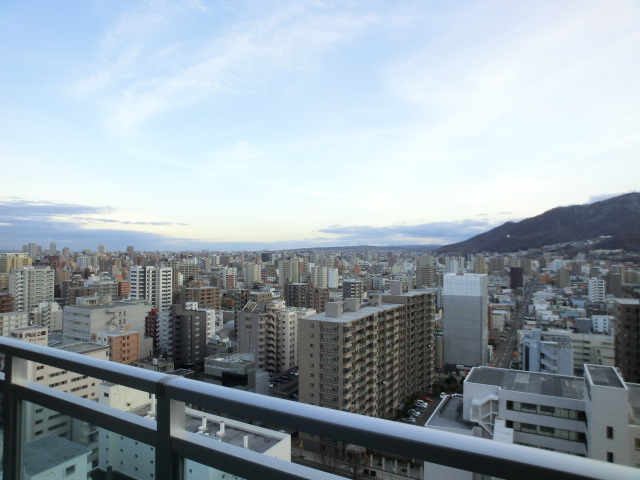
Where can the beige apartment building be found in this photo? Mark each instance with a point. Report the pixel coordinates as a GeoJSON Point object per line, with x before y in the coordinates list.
{"type": "Point", "coordinates": [269, 331]}
{"type": "Point", "coordinates": [30, 286]}
{"type": "Point", "coordinates": [206, 297]}
{"type": "Point", "coordinates": [367, 358]}
{"type": "Point", "coordinates": [9, 261]}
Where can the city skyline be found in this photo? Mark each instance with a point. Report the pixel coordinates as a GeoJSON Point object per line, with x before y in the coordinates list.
{"type": "Point", "coordinates": [209, 125]}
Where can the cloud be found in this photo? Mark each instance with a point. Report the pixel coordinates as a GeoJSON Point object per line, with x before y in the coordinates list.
{"type": "Point", "coordinates": [148, 63]}
{"type": "Point", "coordinates": [426, 233]}
{"type": "Point", "coordinates": [24, 221]}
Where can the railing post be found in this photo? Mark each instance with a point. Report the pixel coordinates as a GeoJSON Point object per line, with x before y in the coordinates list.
{"type": "Point", "coordinates": [170, 421]}
{"type": "Point", "coordinates": [16, 370]}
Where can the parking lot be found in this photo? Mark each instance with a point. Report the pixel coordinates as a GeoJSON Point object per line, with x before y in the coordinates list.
{"type": "Point", "coordinates": [285, 385]}
{"type": "Point", "coordinates": [423, 414]}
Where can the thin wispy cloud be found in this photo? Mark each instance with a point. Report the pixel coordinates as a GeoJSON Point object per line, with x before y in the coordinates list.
{"type": "Point", "coordinates": [143, 75]}
{"type": "Point", "coordinates": [23, 221]}
{"type": "Point", "coordinates": [427, 233]}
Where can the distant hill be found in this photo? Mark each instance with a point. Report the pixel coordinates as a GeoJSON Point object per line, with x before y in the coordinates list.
{"type": "Point", "coordinates": [614, 222]}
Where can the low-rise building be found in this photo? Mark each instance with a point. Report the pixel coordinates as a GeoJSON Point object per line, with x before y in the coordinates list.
{"type": "Point", "coordinates": [595, 416]}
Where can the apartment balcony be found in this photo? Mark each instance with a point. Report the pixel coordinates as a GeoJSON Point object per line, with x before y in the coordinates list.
{"type": "Point", "coordinates": [173, 446]}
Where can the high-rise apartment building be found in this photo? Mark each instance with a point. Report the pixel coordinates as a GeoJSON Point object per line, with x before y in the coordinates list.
{"type": "Point", "coordinates": [465, 319]}
{"type": "Point", "coordinates": [352, 288]}
{"type": "Point", "coordinates": [516, 277]}
{"type": "Point", "coordinates": [252, 274]}
{"type": "Point", "coordinates": [596, 289]}
{"type": "Point", "coordinates": [184, 333]}
{"type": "Point", "coordinates": [426, 277]}
{"type": "Point", "coordinates": [563, 277]}
{"type": "Point", "coordinates": [269, 331]}
{"type": "Point", "coordinates": [47, 314]}
{"type": "Point", "coordinates": [288, 271]}
{"type": "Point", "coordinates": [626, 325]}
{"type": "Point", "coordinates": [419, 326]}
{"type": "Point", "coordinates": [6, 302]}
{"type": "Point", "coordinates": [333, 277]}
{"type": "Point", "coordinates": [153, 284]}
{"type": "Point", "coordinates": [320, 276]}
{"type": "Point", "coordinates": [9, 261]}
{"type": "Point", "coordinates": [366, 358]}
{"type": "Point", "coordinates": [306, 296]}
{"type": "Point", "coordinates": [11, 321]}
{"type": "Point", "coordinates": [296, 294]}
{"type": "Point", "coordinates": [30, 286]}
{"type": "Point", "coordinates": [229, 277]}
{"type": "Point", "coordinates": [205, 297]}
{"type": "Point", "coordinates": [318, 299]}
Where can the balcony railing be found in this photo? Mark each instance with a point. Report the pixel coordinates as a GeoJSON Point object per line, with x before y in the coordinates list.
{"type": "Point", "coordinates": [173, 445]}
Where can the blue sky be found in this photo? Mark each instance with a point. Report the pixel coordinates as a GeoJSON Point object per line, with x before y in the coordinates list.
{"type": "Point", "coordinates": [281, 124]}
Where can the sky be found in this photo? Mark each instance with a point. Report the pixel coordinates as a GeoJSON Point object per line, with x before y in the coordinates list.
{"type": "Point", "coordinates": [188, 125]}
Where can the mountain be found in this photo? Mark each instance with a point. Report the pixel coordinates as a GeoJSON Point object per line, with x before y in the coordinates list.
{"type": "Point", "coordinates": [613, 223]}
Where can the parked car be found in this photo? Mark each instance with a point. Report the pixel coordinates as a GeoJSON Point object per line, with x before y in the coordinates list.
{"type": "Point", "coordinates": [442, 395]}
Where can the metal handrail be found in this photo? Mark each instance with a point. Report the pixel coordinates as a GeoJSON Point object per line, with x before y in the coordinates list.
{"type": "Point", "coordinates": [439, 447]}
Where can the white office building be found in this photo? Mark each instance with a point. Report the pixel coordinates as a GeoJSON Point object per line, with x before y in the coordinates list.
{"type": "Point", "coordinates": [547, 353]}
{"type": "Point", "coordinates": [595, 416]}
{"type": "Point", "coordinates": [596, 289]}
{"type": "Point", "coordinates": [81, 323]}
{"type": "Point", "coordinates": [333, 277]}
{"type": "Point", "coordinates": [30, 286]}
{"type": "Point", "coordinates": [153, 284]}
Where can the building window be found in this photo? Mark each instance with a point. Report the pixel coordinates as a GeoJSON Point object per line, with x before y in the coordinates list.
{"type": "Point", "coordinates": [610, 457]}
{"type": "Point", "coordinates": [610, 433]}
{"type": "Point", "coordinates": [70, 470]}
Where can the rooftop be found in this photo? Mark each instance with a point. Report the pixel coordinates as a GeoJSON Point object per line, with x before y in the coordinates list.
{"type": "Point", "coordinates": [48, 452]}
{"type": "Point", "coordinates": [346, 317]}
{"type": "Point", "coordinates": [604, 376]}
{"type": "Point", "coordinates": [627, 301]}
{"type": "Point", "coordinates": [529, 382]}
{"type": "Point", "coordinates": [449, 415]}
